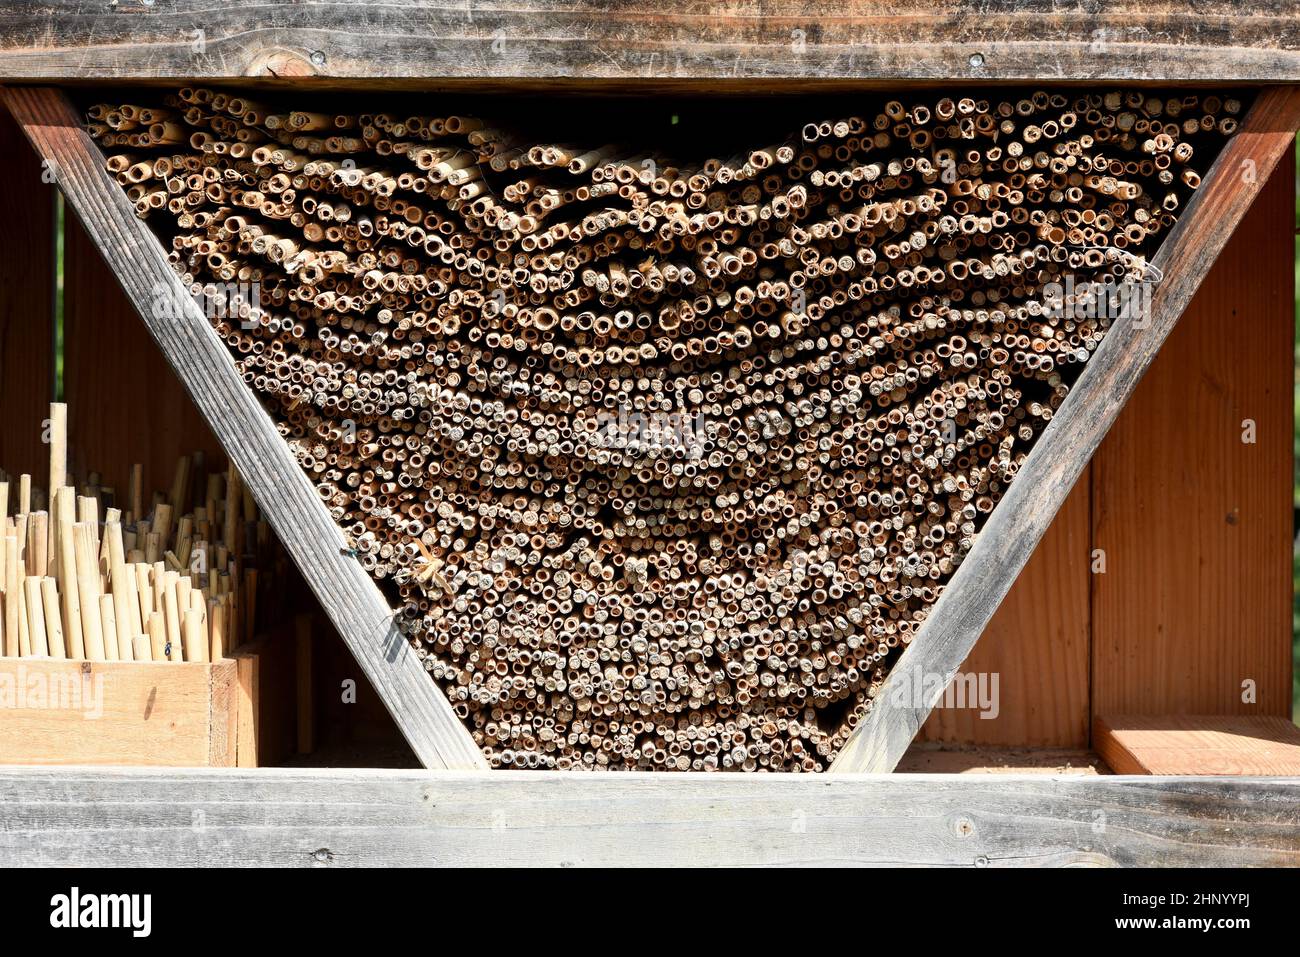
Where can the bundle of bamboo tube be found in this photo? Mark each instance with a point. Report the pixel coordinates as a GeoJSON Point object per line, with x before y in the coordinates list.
{"type": "Point", "coordinates": [664, 460]}
{"type": "Point", "coordinates": [162, 585]}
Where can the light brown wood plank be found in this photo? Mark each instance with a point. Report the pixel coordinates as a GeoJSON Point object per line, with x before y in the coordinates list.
{"type": "Point", "coordinates": [674, 42]}
{"type": "Point", "coordinates": [1036, 646]}
{"type": "Point", "coordinates": [1052, 467]}
{"type": "Point", "coordinates": [302, 818]}
{"type": "Point", "coordinates": [1198, 744]}
{"type": "Point", "coordinates": [1195, 523]}
{"type": "Point", "coordinates": [26, 307]}
{"type": "Point", "coordinates": [123, 713]}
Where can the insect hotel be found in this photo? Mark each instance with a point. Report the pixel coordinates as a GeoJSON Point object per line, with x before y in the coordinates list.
{"type": "Point", "coordinates": [806, 438]}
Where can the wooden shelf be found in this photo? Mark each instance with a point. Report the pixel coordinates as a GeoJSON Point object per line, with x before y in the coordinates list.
{"type": "Point", "coordinates": [1198, 744]}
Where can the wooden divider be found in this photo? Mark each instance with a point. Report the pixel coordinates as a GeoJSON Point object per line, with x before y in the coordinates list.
{"type": "Point", "coordinates": [1194, 519]}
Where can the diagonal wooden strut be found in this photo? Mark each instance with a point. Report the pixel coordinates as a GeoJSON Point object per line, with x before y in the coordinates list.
{"type": "Point", "coordinates": [347, 593]}
{"type": "Point", "coordinates": [1050, 470]}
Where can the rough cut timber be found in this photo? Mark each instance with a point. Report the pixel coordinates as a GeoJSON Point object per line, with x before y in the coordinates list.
{"type": "Point", "coordinates": [347, 594]}
{"type": "Point", "coordinates": [683, 43]}
{"type": "Point", "coordinates": [286, 818]}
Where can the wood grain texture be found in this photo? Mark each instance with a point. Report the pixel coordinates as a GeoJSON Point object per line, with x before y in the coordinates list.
{"type": "Point", "coordinates": [980, 759]}
{"type": "Point", "coordinates": [1198, 744]}
{"type": "Point", "coordinates": [125, 403]}
{"type": "Point", "coordinates": [26, 307]}
{"type": "Point", "coordinates": [1035, 648]}
{"type": "Point", "coordinates": [510, 818]}
{"type": "Point", "coordinates": [1195, 523]}
{"type": "Point", "coordinates": [1062, 451]}
{"type": "Point", "coordinates": [117, 713]}
{"type": "Point", "coordinates": [682, 40]}
{"type": "Point", "coordinates": [288, 500]}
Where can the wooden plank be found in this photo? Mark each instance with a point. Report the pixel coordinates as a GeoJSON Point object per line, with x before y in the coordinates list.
{"type": "Point", "coordinates": [125, 403]}
{"type": "Point", "coordinates": [1053, 466]}
{"type": "Point", "coordinates": [246, 431]}
{"type": "Point", "coordinates": [681, 40]}
{"type": "Point", "coordinates": [1193, 614]}
{"type": "Point", "coordinates": [51, 817]}
{"type": "Point", "coordinates": [1033, 656]}
{"type": "Point", "coordinates": [248, 702]}
{"type": "Point", "coordinates": [26, 306]}
{"type": "Point", "coordinates": [1198, 744]}
{"type": "Point", "coordinates": [137, 713]}
{"type": "Point", "coordinates": [223, 713]}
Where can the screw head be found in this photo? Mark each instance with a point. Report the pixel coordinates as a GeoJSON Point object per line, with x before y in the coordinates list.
{"type": "Point", "coordinates": [318, 57]}
{"type": "Point", "coordinates": [977, 60]}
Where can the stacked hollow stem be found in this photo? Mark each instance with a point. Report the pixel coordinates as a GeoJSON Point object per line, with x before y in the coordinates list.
{"type": "Point", "coordinates": [664, 460]}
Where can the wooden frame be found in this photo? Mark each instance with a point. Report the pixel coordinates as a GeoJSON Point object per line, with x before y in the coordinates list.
{"type": "Point", "coordinates": [280, 817]}
{"type": "Point", "coordinates": [358, 609]}
{"type": "Point", "coordinates": [608, 43]}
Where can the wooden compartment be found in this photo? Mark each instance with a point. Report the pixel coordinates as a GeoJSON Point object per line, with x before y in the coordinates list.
{"type": "Point", "coordinates": [1192, 601]}
{"type": "Point", "coordinates": [164, 714]}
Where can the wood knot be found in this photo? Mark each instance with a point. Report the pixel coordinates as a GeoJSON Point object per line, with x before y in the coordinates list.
{"type": "Point", "coordinates": [280, 63]}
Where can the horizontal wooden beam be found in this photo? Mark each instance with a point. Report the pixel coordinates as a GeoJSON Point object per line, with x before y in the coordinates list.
{"type": "Point", "coordinates": [670, 41]}
{"type": "Point", "coordinates": [290, 503]}
{"type": "Point", "coordinates": [1049, 472]}
{"type": "Point", "coordinates": [57, 817]}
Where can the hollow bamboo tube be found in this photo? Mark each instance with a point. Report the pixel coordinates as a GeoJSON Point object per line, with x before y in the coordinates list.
{"type": "Point", "coordinates": [196, 645]}
{"type": "Point", "coordinates": [38, 544]}
{"type": "Point", "coordinates": [171, 610]}
{"type": "Point", "coordinates": [216, 629]}
{"type": "Point", "coordinates": [70, 588]}
{"type": "Point", "coordinates": [88, 594]}
{"type": "Point", "coordinates": [144, 593]}
{"type": "Point", "coordinates": [24, 622]}
{"type": "Point", "coordinates": [58, 437]}
{"type": "Point", "coordinates": [109, 621]}
{"type": "Point", "coordinates": [126, 611]}
{"type": "Point", "coordinates": [12, 569]}
{"type": "Point", "coordinates": [40, 646]}
{"type": "Point", "coordinates": [54, 635]}
{"type": "Point", "coordinates": [157, 637]}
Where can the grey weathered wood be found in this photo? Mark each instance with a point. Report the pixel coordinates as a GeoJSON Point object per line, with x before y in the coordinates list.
{"type": "Point", "coordinates": [1008, 538]}
{"type": "Point", "coordinates": [282, 491]}
{"type": "Point", "coordinates": [668, 40]}
{"type": "Point", "coordinates": [157, 818]}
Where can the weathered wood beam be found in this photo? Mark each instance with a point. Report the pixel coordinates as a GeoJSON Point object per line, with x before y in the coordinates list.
{"type": "Point", "coordinates": [245, 430]}
{"type": "Point", "coordinates": [616, 42]}
{"type": "Point", "coordinates": [1065, 446]}
{"type": "Point", "coordinates": [147, 818]}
